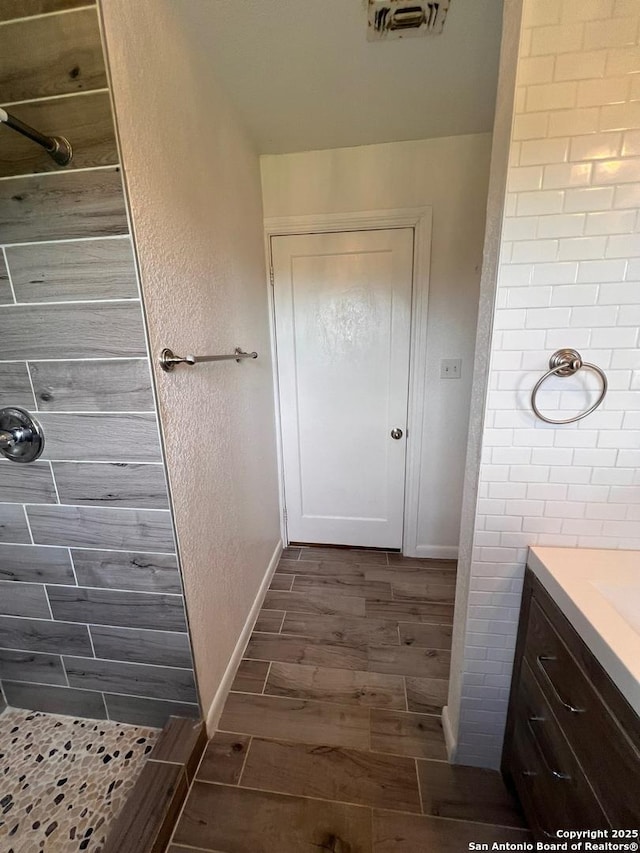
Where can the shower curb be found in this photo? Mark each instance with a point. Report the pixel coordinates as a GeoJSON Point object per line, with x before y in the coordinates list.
{"type": "Point", "coordinates": [148, 817]}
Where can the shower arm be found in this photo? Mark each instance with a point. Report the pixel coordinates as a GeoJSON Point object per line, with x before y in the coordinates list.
{"type": "Point", "coordinates": [58, 148]}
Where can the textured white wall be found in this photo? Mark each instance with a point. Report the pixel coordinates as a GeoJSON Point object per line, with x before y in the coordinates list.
{"type": "Point", "coordinates": [569, 275]}
{"type": "Point", "coordinates": [451, 176]}
{"type": "Point", "coordinates": [194, 188]}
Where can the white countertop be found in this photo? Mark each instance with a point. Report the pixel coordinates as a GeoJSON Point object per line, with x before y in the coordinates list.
{"type": "Point", "coordinates": [599, 592]}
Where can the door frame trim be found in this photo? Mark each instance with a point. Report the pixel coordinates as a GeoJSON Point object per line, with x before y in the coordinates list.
{"type": "Point", "coordinates": [420, 220]}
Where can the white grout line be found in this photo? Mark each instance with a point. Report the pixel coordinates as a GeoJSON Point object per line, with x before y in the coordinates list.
{"type": "Point", "coordinates": [73, 568]}
{"type": "Point", "coordinates": [24, 509]}
{"type": "Point", "coordinates": [127, 300]}
{"type": "Point", "coordinates": [33, 389]}
{"type": "Point", "coordinates": [100, 359]}
{"type": "Point", "coordinates": [87, 506]}
{"type": "Point", "coordinates": [6, 266]}
{"type": "Point", "coordinates": [46, 597]}
{"type": "Point", "coordinates": [244, 763]}
{"type": "Point", "coordinates": [266, 679]}
{"type": "Point", "coordinates": [419, 787]}
{"type": "Point", "coordinates": [48, 14]}
{"type": "Point", "coordinates": [100, 237]}
{"type": "Point", "coordinates": [115, 167]}
{"type": "Point", "coordinates": [89, 548]}
{"type": "Point", "coordinates": [55, 485]}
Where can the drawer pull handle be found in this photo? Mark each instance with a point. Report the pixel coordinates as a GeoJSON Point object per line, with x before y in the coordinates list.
{"type": "Point", "coordinates": [555, 773]}
{"type": "Point", "coordinates": [540, 662]}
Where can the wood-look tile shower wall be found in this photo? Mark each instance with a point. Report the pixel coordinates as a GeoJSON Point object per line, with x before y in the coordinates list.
{"type": "Point", "coordinates": [92, 619]}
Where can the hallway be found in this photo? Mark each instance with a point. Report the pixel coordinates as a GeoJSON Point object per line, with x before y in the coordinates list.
{"type": "Point", "coordinates": [331, 738]}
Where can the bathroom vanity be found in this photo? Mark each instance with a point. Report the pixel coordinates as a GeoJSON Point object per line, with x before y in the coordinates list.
{"type": "Point", "coordinates": [572, 747]}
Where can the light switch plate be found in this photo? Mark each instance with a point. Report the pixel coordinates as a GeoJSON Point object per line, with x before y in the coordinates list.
{"type": "Point", "coordinates": [450, 368]}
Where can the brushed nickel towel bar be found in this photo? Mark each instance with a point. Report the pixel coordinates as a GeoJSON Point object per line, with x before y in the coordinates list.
{"type": "Point", "coordinates": [566, 362]}
{"type": "Point", "coordinates": [57, 147]}
{"type": "Point", "coordinates": [168, 359]}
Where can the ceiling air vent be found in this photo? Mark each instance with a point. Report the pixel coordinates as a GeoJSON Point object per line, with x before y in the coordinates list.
{"type": "Point", "coordinates": [389, 19]}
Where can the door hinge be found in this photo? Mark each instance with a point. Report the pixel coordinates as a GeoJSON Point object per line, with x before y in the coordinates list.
{"type": "Point", "coordinates": [271, 276]}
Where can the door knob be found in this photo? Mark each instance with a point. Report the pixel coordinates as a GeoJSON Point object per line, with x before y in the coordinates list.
{"type": "Point", "coordinates": [396, 433]}
{"type": "Point", "coordinates": [21, 437]}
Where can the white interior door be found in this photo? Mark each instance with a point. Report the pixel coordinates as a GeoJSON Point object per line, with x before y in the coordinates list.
{"type": "Point", "coordinates": [343, 316]}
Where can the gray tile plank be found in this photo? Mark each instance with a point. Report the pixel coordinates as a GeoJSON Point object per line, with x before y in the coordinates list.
{"type": "Point", "coordinates": [100, 437]}
{"type": "Point", "coordinates": [23, 599]}
{"type": "Point", "coordinates": [344, 555]}
{"type": "Point", "coordinates": [13, 524]}
{"type": "Point", "coordinates": [290, 553]}
{"type": "Point", "coordinates": [424, 591]}
{"type": "Point", "coordinates": [62, 206]}
{"type": "Point", "coordinates": [394, 832]}
{"type": "Point", "coordinates": [410, 574]}
{"type": "Point", "coordinates": [269, 621]}
{"type": "Point", "coordinates": [116, 385]}
{"type": "Point", "coordinates": [216, 818]}
{"type": "Point", "coordinates": [147, 712]}
{"type": "Point", "coordinates": [410, 611]}
{"type": "Point", "coordinates": [38, 635]}
{"type": "Point", "coordinates": [153, 682]}
{"type": "Point", "coordinates": [15, 388]}
{"type": "Point", "coordinates": [94, 527]}
{"type": "Point", "coordinates": [250, 676]}
{"type": "Point", "coordinates": [11, 9]}
{"type": "Point", "coordinates": [400, 733]}
{"type": "Point", "coordinates": [322, 568]}
{"type": "Point", "coordinates": [100, 330]}
{"type": "Point", "coordinates": [36, 564]}
{"type": "Point", "coordinates": [135, 645]}
{"type": "Point", "coordinates": [6, 296]}
{"type": "Point", "coordinates": [281, 582]}
{"type": "Point", "coordinates": [55, 700]}
{"type": "Point", "coordinates": [336, 773]}
{"type": "Point", "coordinates": [426, 635]}
{"type": "Point", "coordinates": [427, 695]}
{"type": "Point", "coordinates": [121, 484]}
{"type": "Point", "coordinates": [329, 603]}
{"type": "Point", "coordinates": [113, 607]}
{"type": "Point", "coordinates": [467, 793]}
{"type": "Point", "coordinates": [127, 570]}
{"type": "Point", "coordinates": [83, 270]}
{"type": "Point", "coordinates": [407, 660]}
{"type": "Point", "coordinates": [224, 758]}
{"type": "Point", "coordinates": [343, 686]}
{"type": "Point", "coordinates": [68, 58]}
{"type": "Point", "coordinates": [86, 121]}
{"type": "Point", "coordinates": [306, 650]}
{"type": "Point", "coordinates": [31, 483]}
{"type": "Point", "coordinates": [355, 630]}
{"type": "Point", "coordinates": [297, 720]}
{"type": "Point", "coordinates": [396, 559]}
{"type": "Point", "coordinates": [31, 667]}
{"type": "Point", "coordinates": [344, 584]}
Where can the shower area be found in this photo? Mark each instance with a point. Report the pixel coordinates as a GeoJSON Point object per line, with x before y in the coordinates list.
{"type": "Point", "coordinates": [94, 650]}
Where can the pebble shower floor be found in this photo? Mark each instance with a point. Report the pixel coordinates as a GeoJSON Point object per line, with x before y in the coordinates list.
{"type": "Point", "coordinates": [63, 780]}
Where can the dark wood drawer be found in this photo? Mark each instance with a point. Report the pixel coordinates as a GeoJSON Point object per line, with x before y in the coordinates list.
{"type": "Point", "coordinates": [548, 769]}
{"type": "Point", "coordinates": [606, 754]}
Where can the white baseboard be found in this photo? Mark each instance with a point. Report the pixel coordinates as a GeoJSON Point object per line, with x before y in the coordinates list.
{"type": "Point", "coordinates": [436, 552]}
{"type": "Point", "coordinates": [215, 711]}
{"type": "Point", "coordinates": [449, 737]}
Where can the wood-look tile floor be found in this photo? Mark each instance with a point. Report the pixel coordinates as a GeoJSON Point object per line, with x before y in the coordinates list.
{"type": "Point", "coordinates": [331, 738]}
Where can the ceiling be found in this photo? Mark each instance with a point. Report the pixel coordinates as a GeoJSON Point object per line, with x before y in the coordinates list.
{"type": "Point", "coordinates": [303, 76]}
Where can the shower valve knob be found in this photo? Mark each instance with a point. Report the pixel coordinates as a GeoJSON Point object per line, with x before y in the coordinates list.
{"type": "Point", "coordinates": [21, 437]}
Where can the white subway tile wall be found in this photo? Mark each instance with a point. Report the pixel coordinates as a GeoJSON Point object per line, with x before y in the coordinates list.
{"type": "Point", "coordinates": [569, 275]}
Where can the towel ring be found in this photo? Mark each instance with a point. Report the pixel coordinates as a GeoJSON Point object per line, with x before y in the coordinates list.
{"type": "Point", "coordinates": [566, 362]}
